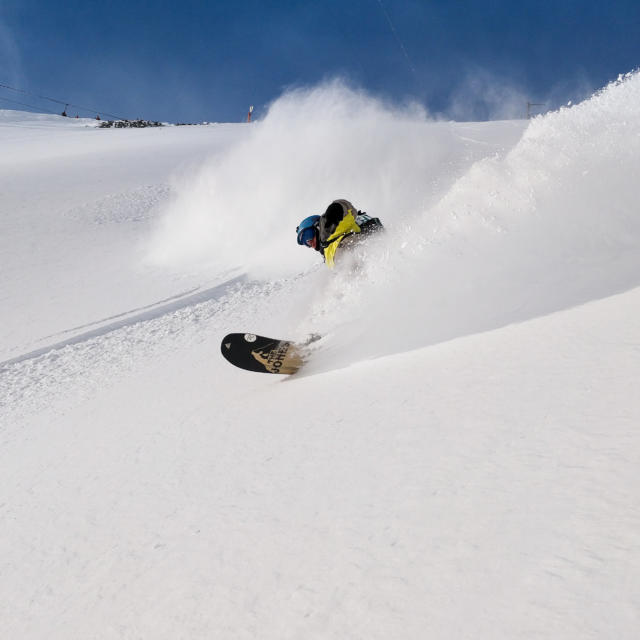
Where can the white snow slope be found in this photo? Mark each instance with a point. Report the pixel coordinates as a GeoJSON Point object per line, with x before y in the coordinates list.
{"type": "Point", "coordinates": [459, 459]}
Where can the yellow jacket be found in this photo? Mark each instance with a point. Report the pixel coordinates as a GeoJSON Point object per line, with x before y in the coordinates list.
{"type": "Point", "coordinates": [345, 227]}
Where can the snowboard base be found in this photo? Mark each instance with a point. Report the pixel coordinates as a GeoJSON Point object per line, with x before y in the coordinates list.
{"type": "Point", "coordinates": [259, 353]}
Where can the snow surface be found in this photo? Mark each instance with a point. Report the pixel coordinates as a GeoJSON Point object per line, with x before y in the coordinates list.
{"type": "Point", "coordinates": [459, 459]}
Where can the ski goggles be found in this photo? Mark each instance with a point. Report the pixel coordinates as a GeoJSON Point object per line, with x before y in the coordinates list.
{"type": "Point", "coordinates": [306, 235]}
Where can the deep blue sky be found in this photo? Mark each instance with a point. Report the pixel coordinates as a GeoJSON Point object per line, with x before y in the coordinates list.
{"type": "Point", "coordinates": [193, 60]}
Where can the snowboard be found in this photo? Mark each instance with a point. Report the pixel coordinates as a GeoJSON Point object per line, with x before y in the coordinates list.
{"type": "Point", "coordinates": [265, 355]}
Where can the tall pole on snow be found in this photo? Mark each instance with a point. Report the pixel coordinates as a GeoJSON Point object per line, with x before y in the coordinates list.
{"type": "Point", "coordinates": [533, 104]}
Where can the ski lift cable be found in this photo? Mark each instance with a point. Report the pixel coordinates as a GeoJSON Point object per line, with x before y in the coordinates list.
{"type": "Point", "coordinates": [24, 104]}
{"type": "Point", "coordinates": [63, 102]}
{"type": "Point", "coordinates": [397, 37]}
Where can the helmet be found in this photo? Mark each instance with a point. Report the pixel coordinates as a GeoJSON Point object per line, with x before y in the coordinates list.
{"type": "Point", "coordinates": [307, 229]}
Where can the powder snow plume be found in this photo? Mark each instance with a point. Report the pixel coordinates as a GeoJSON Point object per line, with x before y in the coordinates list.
{"type": "Point", "coordinates": [314, 145]}
{"type": "Point", "coordinates": [565, 196]}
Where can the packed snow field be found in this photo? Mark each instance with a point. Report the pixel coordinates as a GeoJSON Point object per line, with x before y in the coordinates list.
{"type": "Point", "coordinates": [460, 458]}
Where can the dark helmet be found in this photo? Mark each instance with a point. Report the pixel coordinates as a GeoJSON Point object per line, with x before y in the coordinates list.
{"type": "Point", "coordinates": [307, 229]}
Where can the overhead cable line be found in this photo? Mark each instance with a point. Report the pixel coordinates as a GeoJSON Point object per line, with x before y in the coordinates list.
{"type": "Point", "coordinates": [24, 104]}
{"type": "Point", "coordinates": [63, 102]}
{"type": "Point", "coordinates": [397, 37]}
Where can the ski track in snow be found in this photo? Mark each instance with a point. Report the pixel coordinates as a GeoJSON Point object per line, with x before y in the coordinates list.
{"type": "Point", "coordinates": [134, 316]}
{"type": "Point", "coordinates": [91, 359]}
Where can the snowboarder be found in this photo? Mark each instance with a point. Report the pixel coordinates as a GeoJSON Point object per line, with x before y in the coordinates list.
{"type": "Point", "coordinates": [340, 226]}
